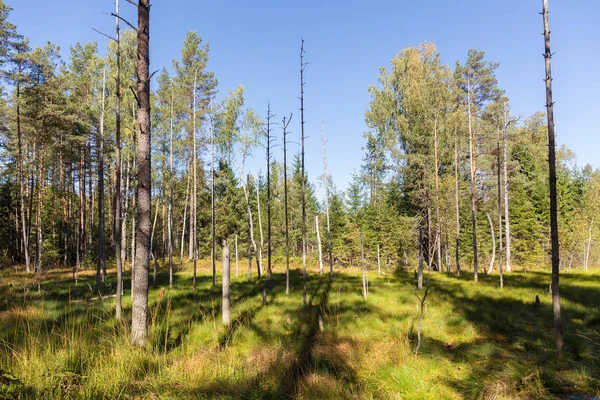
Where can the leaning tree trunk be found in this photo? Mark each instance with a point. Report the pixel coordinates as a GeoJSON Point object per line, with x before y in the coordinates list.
{"type": "Point", "coordinates": [558, 327]}
{"type": "Point", "coordinates": [139, 314]}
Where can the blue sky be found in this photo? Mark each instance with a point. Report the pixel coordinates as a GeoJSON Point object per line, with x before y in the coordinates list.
{"type": "Point", "coordinates": [257, 43]}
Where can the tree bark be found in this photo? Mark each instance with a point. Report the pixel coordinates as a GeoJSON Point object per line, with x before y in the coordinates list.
{"type": "Point", "coordinates": [260, 229]}
{"type": "Point", "coordinates": [170, 216]}
{"type": "Point", "coordinates": [139, 323]}
{"type": "Point", "coordinates": [558, 327]}
{"type": "Point", "coordinates": [589, 245]}
{"type": "Point", "coordinates": [364, 268]}
{"type": "Point", "coordinates": [212, 205]}
{"type": "Point", "coordinates": [472, 151]}
{"type": "Point", "coordinates": [326, 180]}
{"type": "Point", "coordinates": [118, 224]}
{"type": "Point", "coordinates": [101, 264]}
{"type": "Point", "coordinates": [226, 302]}
{"type": "Point", "coordinates": [420, 267]}
{"type": "Point", "coordinates": [319, 244]}
{"type": "Point", "coordinates": [438, 226]}
{"type": "Point", "coordinates": [493, 259]}
{"type": "Point", "coordinates": [302, 66]}
{"type": "Point", "coordinates": [285, 205]}
{"type": "Point", "coordinates": [194, 210]}
{"type": "Point", "coordinates": [457, 200]}
{"type": "Point", "coordinates": [506, 206]}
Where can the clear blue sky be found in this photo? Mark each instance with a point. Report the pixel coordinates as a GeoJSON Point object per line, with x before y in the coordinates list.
{"type": "Point", "coordinates": [256, 43]}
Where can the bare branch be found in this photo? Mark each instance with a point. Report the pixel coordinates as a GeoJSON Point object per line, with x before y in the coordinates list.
{"type": "Point", "coordinates": [124, 20]}
{"type": "Point", "coordinates": [104, 34]}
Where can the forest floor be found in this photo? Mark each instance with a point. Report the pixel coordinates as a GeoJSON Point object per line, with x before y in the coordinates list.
{"type": "Point", "coordinates": [479, 341]}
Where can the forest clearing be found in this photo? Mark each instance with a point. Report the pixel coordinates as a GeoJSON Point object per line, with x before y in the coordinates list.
{"type": "Point", "coordinates": [413, 227]}
{"type": "Point", "coordinates": [479, 341]}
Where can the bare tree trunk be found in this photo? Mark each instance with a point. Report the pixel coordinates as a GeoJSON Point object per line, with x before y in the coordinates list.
{"type": "Point", "coordinates": [153, 251]}
{"type": "Point", "coordinates": [269, 271]}
{"type": "Point", "coordinates": [226, 302]}
{"type": "Point", "coordinates": [285, 202]}
{"type": "Point", "coordinates": [237, 265]}
{"type": "Point", "coordinates": [472, 151]}
{"type": "Point", "coordinates": [40, 184]}
{"type": "Point", "coordinates": [212, 205]}
{"type": "Point", "coordinates": [139, 316]}
{"type": "Point", "coordinates": [558, 327]}
{"type": "Point", "coordinates": [589, 244]}
{"type": "Point", "coordinates": [81, 244]}
{"type": "Point", "coordinates": [420, 267]}
{"type": "Point", "coordinates": [493, 259]}
{"type": "Point", "coordinates": [364, 268]}
{"type": "Point", "coordinates": [456, 200]}
{"type": "Point", "coordinates": [170, 216]}
{"type": "Point", "coordinates": [499, 210]}
{"type": "Point", "coordinates": [194, 210]}
{"type": "Point", "coordinates": [260, 257]}
{"type": "Point", "coordinates": [251, 227]}
{"type": "Point", "coordinates": [118, 213]}
{"type": "Point", "coordinates": [26, 245]}
{"type": "Point", "coordinates": [506, 213]}
{"type": "Point", "coordinates": [326, 180]}
{"type": "Point", "coordinates": [101, 265]}
{"type": "Point", "coordinates": [438, 228]}
{"type": "Point", "coordinates": [302, 67]}
{"type": "Point", "coordinates": [185, 207]}
{"type": "Point", "coordinates": [378, 261]}
{"type": "Point", "coordinates": [319, 244]}
{"type": "Point", "coordinates": [124, 213]}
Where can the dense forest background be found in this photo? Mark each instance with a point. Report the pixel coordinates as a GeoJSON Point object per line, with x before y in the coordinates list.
{"type": "Point", "coordinates": [443, 154]}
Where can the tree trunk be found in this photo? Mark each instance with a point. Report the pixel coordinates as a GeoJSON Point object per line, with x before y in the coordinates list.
{"type": "Point", "coordinates": [326, 180]}
{"type": "Point", "coordinates": [170, 212]}
{"type": "Point", "coordinates": [472, 151]}
{"type": "Point", "coordinates": [153, 250]}
{"type": "Point", "coordinates": [194, 210]}
{"type": "Point", "coordinates": [260, 249]}
{"type": "Point", "coordinates": [118, 224]}
{"type": "Point", "coordinates": [101, 265]}
{"type": "Point", "coordinates": [378, 261]}
{"type": "Point", "coordinates": [185, 207]}
{"type": "Point", "coordinates": [553, 198]}
{"type": "Point", "coordinates": [212, 206]}
{"type": "Point", "coordinates": [302, 66]}
{"type": "Point", "coordinates": [589, 244]}
{"type": "Point", "coordinates": [506, 213]}
{"type": "Point", "coordinates": [493, 259]}
{"type": "Point", "coordinates": [364, 268]}
{"type": "Point", "coordinates": [420, 267]}
{"type": "Point", "coordinates": [457, 200]}
{"type": "Point", "coordinates": [22, 184]}
{"type": "Point", "coordinates": [237, 265]}
{"type": "Point", "coordinates": [226, 310]}
{"type": "Point", "coordinates": [319, 244]}
{"type": "Point", "coordinates": [285, 205]}
{"type": "Point", "coordinates": [499, 211]}
{"type": "Point", "coordinates": [251, 228]}
{"type": "Point", "coordinates": [40, 184]}
{"type": "Point", "coordinates": [438, 226]}
{"type": "Point", "coordinates": [269, 271]}
{"type": "Point", "coordinates": [139, 323]}
{"type": "Point", "coordinates": [81, 244]}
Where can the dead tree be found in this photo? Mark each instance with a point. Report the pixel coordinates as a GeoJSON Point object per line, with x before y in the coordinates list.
{"type": "Point", "coordinates": [456, 160]}
{"type": "Point", "coordinates": [558, 327]}
{"type": "Point", "coordinates": [326, 181]}
{"type": "Point", "coordinates": [269, 140]}
{"type": "Point", "coordinates": [194, 208]}
{"type": "Point", "coordinates": [303, 194]}
{"type": "Point", "coordinates": [285, 202]}
{"type": "Point", "coordinates": [212, 202]}
{"type": "Point", "coordinates": [118, 214]}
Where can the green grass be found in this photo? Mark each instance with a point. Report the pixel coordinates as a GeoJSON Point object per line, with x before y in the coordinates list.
{"type": "Point", "coordinates": [479, 341]}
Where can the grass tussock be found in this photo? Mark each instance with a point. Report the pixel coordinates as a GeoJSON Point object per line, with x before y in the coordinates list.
{"type": "Point", "coordinates": [479, 341]}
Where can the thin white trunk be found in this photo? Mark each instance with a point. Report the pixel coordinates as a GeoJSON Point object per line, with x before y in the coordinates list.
{"type": "Point", "coordinates": [226, 301]}
{"type": "Point", "coordinates": [260, 229]}
{"type": "Point", "coordinates": [319, 244]}
{"type": "Point", "coordinates": [493, 259]}
{"type": "Point", "coordinates": [378, 261]}
{"type": "Point", "coordinates": [506, 213]}
{"type": "Point", "coordinates": [237, 266]}
{"type": "Point", "coordinates": [185, 207]}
